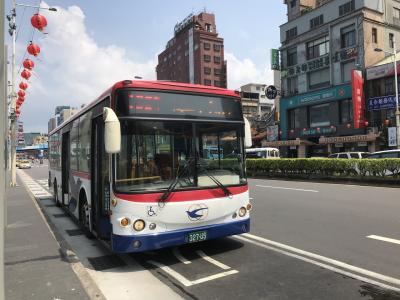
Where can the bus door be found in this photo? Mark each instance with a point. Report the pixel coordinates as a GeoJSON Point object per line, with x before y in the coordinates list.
{"type": "Point", "coordinates": [100, 182]}
{"type": "Point", "coordinates": [65, 168]}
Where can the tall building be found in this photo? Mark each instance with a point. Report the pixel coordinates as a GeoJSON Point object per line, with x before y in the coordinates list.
{"type": "Point", "coordinates": [254, 101]}
{"type": "Point", "coordinates": [321, 44]}
{"type": "Point", "coordinates": [195, 54]}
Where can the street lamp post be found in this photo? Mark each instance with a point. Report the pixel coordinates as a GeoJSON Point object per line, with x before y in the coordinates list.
{"type": "Point", "coordinates": [396, 90]}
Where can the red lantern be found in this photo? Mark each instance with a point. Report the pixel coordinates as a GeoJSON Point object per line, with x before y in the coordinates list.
{"type": "Point", "coordinates": [387, 122]}
{"type": "Point", "coordinates": [19, 102]}
{"type": "Point", "coordinates": [38, 21]}
{"type": "Point", "coordinates": [23, 85]}
{"type": "Point", "coordinates": [21, 93]}
{"type": "Point", "coordinates": [17, 111]}
{"type": "Point", "coordinates": [26, 74]}
{"type": "Point", "coordinates": [366, 123]}
{"type": "Point", "coordinates": [21, 99]}
{"type": "Point", "coordinates": [28, 64]}
{"type": "Point", "coordinates": [33, 49]}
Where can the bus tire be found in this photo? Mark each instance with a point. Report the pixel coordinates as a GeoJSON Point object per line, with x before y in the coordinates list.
{"type": "Point", "coordinates": [55, 192]}
{"type": "Point", "coordinates": [84, 213]}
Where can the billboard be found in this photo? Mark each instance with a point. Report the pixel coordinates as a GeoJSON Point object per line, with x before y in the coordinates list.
{"type": "Point", "coordinates": [275, 65]}
{"type": "Point", "coordinates": [358, 98]}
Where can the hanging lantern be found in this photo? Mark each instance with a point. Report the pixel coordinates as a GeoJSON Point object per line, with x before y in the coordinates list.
{"type": "Point", "coordinates": [18, 105]}
{"type": "Point", "coordinates": [366, 123]}
{"type": "Point", "coordinates": [21, 99]}
{"type": "Point", "coordinates": [19, 102]}
{"type": "Point", "coordinates": [387, 122]}
{"type": "Point", "coordinates": [28, 64]}
{"type": "Point", "coordinates": [26, 74]}
{"type": "Point", "coordinates": [21, 93]}
{"type": "Point", "coordinates": [38, 21]}
{"type": "Point", "coordinates": [17, 111]}
{"type": "Point", "coordinates": [33, 49]}
{"type": "Point", "coordinates": [23, 85]}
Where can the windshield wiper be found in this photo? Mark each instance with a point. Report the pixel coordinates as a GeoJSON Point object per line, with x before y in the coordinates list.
{"type": "Point", "coordinates": [226, 191]}
{"type": "Point", "coordinates": [170, 189]}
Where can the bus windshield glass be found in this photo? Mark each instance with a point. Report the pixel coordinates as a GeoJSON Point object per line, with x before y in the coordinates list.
{"type": "Point", "coordinates": [174, 105]}
{"type": "Point", "coordinates": [154, 153]}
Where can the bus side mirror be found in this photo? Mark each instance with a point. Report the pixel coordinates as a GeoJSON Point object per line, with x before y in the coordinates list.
{"type": "Point", "coordinates": [247, 134]}
{"type": "Point", "coordinates": [112, 131]}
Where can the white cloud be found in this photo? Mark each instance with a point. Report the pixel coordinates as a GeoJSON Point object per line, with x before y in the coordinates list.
{"type": "Point", "coordinates": [72, 69]}
{"type": "Point", "coordinates": [241, 72]}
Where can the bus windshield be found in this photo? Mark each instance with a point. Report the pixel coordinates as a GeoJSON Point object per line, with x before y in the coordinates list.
{"type": "Point", "coordinates": [154, 153]}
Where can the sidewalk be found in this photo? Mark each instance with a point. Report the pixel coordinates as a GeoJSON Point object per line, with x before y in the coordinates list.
{"type": "Point", "coordinates": [34, 265]}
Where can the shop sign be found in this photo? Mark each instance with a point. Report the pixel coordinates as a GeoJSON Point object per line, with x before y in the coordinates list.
{"type": "Point", "coordinates": [384, 102]}
{"type": "Point", "coordinates": [318, 131]}
{"type": "Point", "coordinates": [362, 144]}
{"type": "Point", "coordinates": [293, 147]}
{"type": "Point", "coordinates": [275, 59]}
{"type": "Point", "coordinates": [313, 65]}
{"type": "Point", "coordinates": [347, 139]}
{"type": "Point", "coordinates": [392, 139]}
{"type": "Point", "coordinates": [339, 145]}
{"type": "Point", "coordinates": [382, 71]}
{"type": "Point", "coordinates": [346, 54]}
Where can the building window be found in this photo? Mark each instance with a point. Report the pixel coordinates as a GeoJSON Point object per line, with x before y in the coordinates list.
{"type": "Point", "coordinates": [207, 70]}
{"type": "Point", "coordinates": [294, 118]}
{"type": "Point", "coordinates": [348, 36]}
{"type": "Point", "coordinates": [292, 84]}
{"type": "Point", "coordinates": [293, 3]}
{"type": "Point", "coordinates": [207, 82]}
{"type": "Point", "coordinates": [207, 58]}
{"type": "Point", "coordinates": [292, 56]}
{"type": "Point", "coordinates": [319, 115]}
{"type": "Point", "coordinates": [208, 27]}
{"type": "Point", "coordinates": [217, 83]}
{"type": "Point", "coordinates": [346, 8]}
{"type": "Point", "coordinates": [217, 59]}
{"type": "Point", "coordinates": [319, 79]}
{"type": "Point", "coordinates": [389, 86]}
{"type": "Point", "coordinates": [207, 46]}
{"type": "Point", "coordinates": [374, 35]}
{"type": "Point", "coordinates": [217, 47]}
{"type": "Point", "coordinates": [391, 40]}
{"type": "Point", "coordinates": [291, 33]}
{"type": "Point", "coordinates": [376, 88]}
{"type": "Point", "coordinates": [217, 72]}
{"type": "Point", "coordinates": [347, 67]}
{"type": "Point", "coordinates": [346, 111]}
{"type": "Point", "coordinates": [318, 47]}
{"type": "Point", "coordinates": [317, 21]}
{"type": "Point", "coordinates": [396, 16]}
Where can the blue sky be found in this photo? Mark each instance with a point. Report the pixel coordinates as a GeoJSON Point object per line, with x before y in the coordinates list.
{"type": "Point", "coordinates": [91, 44]}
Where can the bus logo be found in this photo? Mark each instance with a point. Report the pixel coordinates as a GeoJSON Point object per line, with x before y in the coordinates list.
{"type": "Point", "coordinates": [197, 212]}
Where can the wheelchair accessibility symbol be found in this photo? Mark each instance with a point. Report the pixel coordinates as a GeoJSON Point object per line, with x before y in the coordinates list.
{"type": "Point", "coordinates": [151, 212]}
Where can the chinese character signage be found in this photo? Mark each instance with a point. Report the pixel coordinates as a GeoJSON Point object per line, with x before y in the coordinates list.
{"type": "Point", "coordinates": [346, 54]}
{"type": "Point", "coordinates": [275, 59]}
{"type": "Point", "coordinates": [384, 102]}
{"type": "Point", "coordinates": [310, 66]}
{"type": "Point", "coordinates": [392, 139]}
{"type": "Point", "coordinates": [358, 98]}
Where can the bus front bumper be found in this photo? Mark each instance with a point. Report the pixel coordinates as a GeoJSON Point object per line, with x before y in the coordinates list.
{"type": "Point", "coordinates": [140, 243]}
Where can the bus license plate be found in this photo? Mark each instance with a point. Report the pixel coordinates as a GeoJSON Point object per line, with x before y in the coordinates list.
{"type": "Point", "coordinates": [196, 236]}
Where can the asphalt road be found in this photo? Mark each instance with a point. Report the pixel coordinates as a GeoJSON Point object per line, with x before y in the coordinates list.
{"type": "Point", "coordinates": [308, 241]}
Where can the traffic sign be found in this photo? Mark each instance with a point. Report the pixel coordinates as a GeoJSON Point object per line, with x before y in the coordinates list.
{"type": "Point", "coordinates": [271, 92]}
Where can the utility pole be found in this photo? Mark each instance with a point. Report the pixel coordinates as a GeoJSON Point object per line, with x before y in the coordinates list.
{"type": "Point", "coordinates": [397, 95]}
{"type": "Point", "coordinates": [13, 115]}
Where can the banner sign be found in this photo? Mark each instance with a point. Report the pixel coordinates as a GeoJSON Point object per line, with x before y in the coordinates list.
{"type": "Point", "coordinates": [382, 71]}
{"type": "Point", "coordinates": [272, 133]}
{"type": "Point", "coordinates": [392, 139]}
{"type": "Point", "coordinates": [384, 102]}
{"type": "Point", "coordinates": [275, 65]}
{"type": "Point", "coordinates": [358, 98]}
{"type": "Point", "coordinates": [318, 131]}
{"type": "Point", "coordinates": [313, 65]}
{"type": "Point", "coordinates": [346, 54]}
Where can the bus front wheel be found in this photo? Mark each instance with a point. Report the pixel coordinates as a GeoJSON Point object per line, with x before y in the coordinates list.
{"type": "Point", "coordinates": [84, 216]}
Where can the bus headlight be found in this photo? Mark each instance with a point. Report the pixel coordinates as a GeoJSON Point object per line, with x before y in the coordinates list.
{"type": "Point", "coordinates": [242, 211]}
{"type": "Point", "coordinates": [124, 222]}
{"type": "Point", "coordinates": [114, 202]}
{"type": "Point", "coordinates": [249, 206]}
{"type": "Point", "coordinates": [139, 225]}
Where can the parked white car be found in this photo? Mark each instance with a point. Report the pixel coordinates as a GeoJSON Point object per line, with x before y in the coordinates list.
{"type": "Point", "coordinates": [347, 155]}
{"type": "Point", "coordinates": [385, 154]}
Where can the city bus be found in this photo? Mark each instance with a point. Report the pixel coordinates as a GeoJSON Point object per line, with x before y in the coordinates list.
{"type": "Point", "coordinates": [266, 152]}
{"type": "Point", "coordinates": [130, 166]}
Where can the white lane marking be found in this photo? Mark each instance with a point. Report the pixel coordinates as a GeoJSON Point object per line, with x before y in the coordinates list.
{"type": "Point", "coordinates": [322, 265]}
{"type": "Point", "coordinates": [216, 276]}
{"type": "Point", "coordinates": [337, 263]}
{"type": "Point", "coordinates": [171, 272]}
{"type": "Point", "coordinates": [385, 239]}
{"type": "Point", "coordinates": [179, 256]}
{"type": "Point", "coordinates": [285, 188]}
{"type": "Point", "coordinates": [212, 260]}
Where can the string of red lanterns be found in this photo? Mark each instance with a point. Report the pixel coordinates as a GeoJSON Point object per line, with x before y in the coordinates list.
{"type": "Point", "coordinates": [39, 22]}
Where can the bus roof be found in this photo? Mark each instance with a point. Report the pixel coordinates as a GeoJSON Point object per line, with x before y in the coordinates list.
{"type": "Point", "coordinates": [152, 85]}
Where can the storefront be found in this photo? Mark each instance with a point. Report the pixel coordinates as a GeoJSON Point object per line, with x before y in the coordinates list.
{"type": "Point", "coordinates": [291, 148]}
{"type": "Point", "coordinates": [362, 143]}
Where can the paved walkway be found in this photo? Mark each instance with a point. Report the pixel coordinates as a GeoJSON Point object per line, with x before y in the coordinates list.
{"type": "Point", "coordinates": [35, 266]}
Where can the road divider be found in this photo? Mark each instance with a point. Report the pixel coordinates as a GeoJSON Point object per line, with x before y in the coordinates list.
{"type": "Point", "coordinates": [343, 268]}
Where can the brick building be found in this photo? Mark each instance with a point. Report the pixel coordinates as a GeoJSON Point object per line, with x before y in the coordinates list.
{"type": "Point", "coordinates": [195, 54]}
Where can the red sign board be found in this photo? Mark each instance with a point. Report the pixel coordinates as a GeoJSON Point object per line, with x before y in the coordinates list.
{"type": "Point", "coordinates": [358, 99]}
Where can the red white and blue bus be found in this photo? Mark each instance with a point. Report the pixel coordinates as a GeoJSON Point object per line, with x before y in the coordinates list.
{"type": "Point", "coordinates": [130, 166]}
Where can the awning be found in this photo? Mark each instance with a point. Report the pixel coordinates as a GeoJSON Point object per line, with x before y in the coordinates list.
{"type": "Point", "coordinates": [349, 139]}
